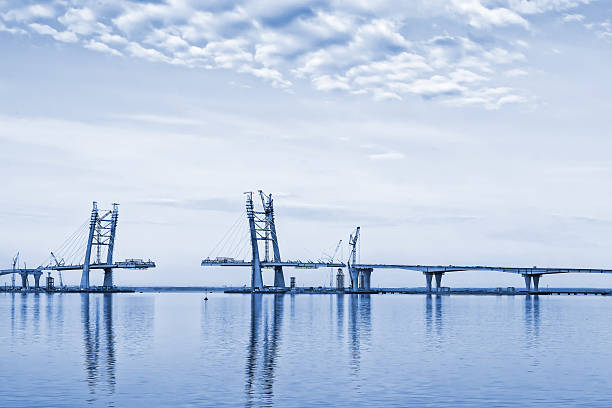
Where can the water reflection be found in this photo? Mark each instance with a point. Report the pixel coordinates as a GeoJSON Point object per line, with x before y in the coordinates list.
{"type": "Point", "coordinates": [434, 316]}
{"type": "Point", "coordinates": [264, 342]}
{"type": "Point", "coordinates": [340, 315]}
{"type": "Point", "coordinates": [93, 340]}
{"type": "Point", "coordinates": [532, 319]}
{"type": "Point", "coordinates": [359, 326]}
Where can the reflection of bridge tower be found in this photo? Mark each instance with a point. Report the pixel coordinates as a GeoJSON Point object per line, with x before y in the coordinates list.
{"type": "Point", "coordinates": [263, 228]}
{"type": "Point", "coordinates": [102, 229]}
{"type": "Point", "coordinates": [264, 342]}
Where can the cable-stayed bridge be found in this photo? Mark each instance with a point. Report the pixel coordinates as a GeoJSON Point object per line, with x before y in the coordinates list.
{"type": "Point", "coordinates": [262, 229]}
{"type": "Point", "coordinates": [90, 247]}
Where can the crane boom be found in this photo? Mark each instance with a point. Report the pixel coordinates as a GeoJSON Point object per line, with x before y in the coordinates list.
{"type": "Point", "coordinates": [353, 243]}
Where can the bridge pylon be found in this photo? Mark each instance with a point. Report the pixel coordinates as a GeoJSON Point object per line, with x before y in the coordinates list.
{"type": "Point", "coordinates": [102, 229]}
{"type": "Point", "coordinates": [92, 229]}
{"type": "Point", "coordinates": [263, 228]}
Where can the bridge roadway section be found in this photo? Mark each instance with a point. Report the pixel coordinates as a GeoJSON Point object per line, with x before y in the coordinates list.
{"type": "Point", "coordinates": [530, 275]}
{"type": "Point", "coordinates": [37, 272]}
{"type": "Point", "coordinates": [430, 271]}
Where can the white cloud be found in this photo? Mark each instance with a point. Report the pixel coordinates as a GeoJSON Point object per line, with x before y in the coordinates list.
{"type": "Point", "coordinates": [350, 46]}
{"type": "Point", "coordinates": [101, 47]}
{"type": "Point", "coordinates": [30, 13]}
{"type": "Point", "coordinates": [63, 36]}
{"type": "Point", "coordinates": [568, 18]}
{"type": "Point", "coordinates": [386, 156]}
{"type": "Point", "coordinates": [481, 16]}
{"type": "Point", "coordinates": [138, 50]}
{"type": "Point", "coordinates": [12, 30]}
{"type": "Point", "coordinates": [82, 21]}
{"type": "Point", "coordinates": [542, 6]}
{"type": "Point", "coordinates": [517, 72]}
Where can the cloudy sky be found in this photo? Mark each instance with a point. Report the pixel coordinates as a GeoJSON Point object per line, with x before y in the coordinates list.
{"type": "Point", "coordinates": [453, 132]}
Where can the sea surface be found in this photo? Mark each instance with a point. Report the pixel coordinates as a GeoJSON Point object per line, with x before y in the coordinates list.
{"type": "Point", "coordinates": [177, 350]}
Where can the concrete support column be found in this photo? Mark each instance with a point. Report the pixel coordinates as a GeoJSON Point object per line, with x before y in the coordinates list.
{"type": "Point", "coordinates": [367, 275]}
{"type": "Point", "coordinates": [536, 282]}
{"type": "Point", "coordinates": [527, 282]}
{"type": "Point", "coordinates": [354, 277]}
{"type": "Point", "coordinates": [37, 280]}
{"type": "Point", "coordinates": [108, 278]}
{"type": "Point", "coordinates": [361, 280]}
{"type": "Point", "coordinates": [24, 280]}
{"type": "Point", "coordinates": [438, 280]}
{"type": "Point", "coordinates": [428, 277]}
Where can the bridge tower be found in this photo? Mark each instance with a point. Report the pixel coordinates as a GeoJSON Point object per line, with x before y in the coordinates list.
{"type": "Point", "coordinates": [102, 229]}
{"type": "Point", "coordinates": [92, 229]}
{"type": "Point", "coordinates": [266, 201]}
{"type": "Point", "coordinates": [108, 272]}
{"type": "Point", "coordinates": [256, 278]}
{"type": "Point", "coordinates": [263, 228]}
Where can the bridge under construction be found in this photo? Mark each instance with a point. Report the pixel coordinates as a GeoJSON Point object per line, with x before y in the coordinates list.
{"type": "Point", "coordinates": [262, 229]}
{"type": "Point", "coordinates": [87, 249]}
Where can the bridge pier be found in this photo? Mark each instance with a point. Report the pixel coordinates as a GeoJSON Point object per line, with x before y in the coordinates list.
{"type": "Point", "coordinates": [108, 278]}
{"type": "Point", "coordinates": [536, 282]}
{"type": "Point", "coordinates": [527, 282]}
{"type": "Point", "coordinates": [24, 280]}
{"type": "Point", "coordinates": [37, 276]}
{"type": "Point", "coordinates": [438, 280]}
{"type": "Point", "coordinates": [354, 278]}
{"type": "Point", "coordinates": [367, 276]}
{"type": "Point", "coordinates": [428, 278]}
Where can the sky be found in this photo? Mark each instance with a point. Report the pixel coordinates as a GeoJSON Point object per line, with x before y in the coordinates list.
{"type": "Point", "coordinates": [465, 132]}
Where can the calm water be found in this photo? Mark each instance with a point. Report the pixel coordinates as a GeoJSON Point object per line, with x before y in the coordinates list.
{"type": "Point", "coordinates": [173, 349]}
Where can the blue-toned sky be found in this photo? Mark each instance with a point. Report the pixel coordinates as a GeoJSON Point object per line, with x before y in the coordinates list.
{"type": "Point", "coordinates": [453, 132]}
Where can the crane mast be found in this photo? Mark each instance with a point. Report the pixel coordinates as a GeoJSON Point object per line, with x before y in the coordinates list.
{"type": "Point", "coordinates": [331, 260]}
{"type": "Point", "coordinates": [353, 243]}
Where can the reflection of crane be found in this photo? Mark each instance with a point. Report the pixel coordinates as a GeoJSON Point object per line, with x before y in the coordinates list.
{"type": "Point", "coordinates": [331, 260]}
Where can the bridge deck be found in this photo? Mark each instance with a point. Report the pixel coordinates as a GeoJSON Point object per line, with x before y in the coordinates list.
{"type": "Point", "coordinates": [264, 264]}
{"type": "Point", "coordinates": [454, 268]}
{"type": "Point", "coordinates": [127, 264]}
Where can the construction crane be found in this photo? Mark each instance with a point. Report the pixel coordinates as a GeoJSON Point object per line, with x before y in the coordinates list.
{"type": "Point", "coordinates": [15, 264]}
{"type": "Point", "coordinates": [354, 238]}
{"type": "Point", "coordinates": [353, 244]}
{"type": "Point", "coordinates": [58, 263]}
{"type": "Point", "coordinates": [331, 260]}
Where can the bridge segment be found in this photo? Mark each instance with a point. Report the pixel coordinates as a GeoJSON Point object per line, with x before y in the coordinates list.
{"type": "Point", "coordinates": [530, 274]}
{"type": "Point", "coordinates": [100, 245]}
{"type": "Point", "coordinates": [262, 228]}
